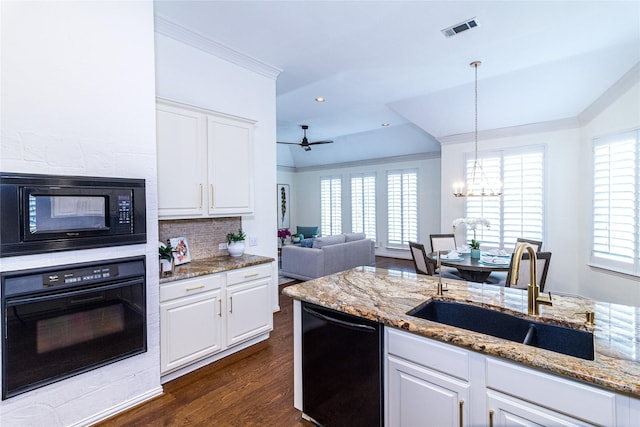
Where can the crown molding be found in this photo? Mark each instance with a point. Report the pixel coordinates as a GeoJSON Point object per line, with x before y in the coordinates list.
{"type": "Point", "coordinates": [369, 162]}
{"type": "Point", "coordinates": [611, 95]}
{"type": "Point", "coordinates": [177, 32]}
{"type": "Point", "coordinates": [550, 126]}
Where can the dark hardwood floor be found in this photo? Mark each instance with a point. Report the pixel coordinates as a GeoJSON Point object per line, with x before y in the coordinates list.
{"type": "Point", "coordinates": [253, 387]}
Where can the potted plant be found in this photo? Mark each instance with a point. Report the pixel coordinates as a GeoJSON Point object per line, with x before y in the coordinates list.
{"type": "Point", "coordinates": [165, 254]}
{"type": "Point", "coordinates": [472, 224]}
{"type": "Point", "coordinates": [235, 243]}
{"type": "Point", "coordinates": [296, 238]}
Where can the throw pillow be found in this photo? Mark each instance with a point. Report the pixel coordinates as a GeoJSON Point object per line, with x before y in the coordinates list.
{"type": "Point", "coordinates": [320, 242]}
{"type": "Point", "coordinates": [307, 231]}
{"type": "Point", "coordinates": [350, 237]}
{"type": "Point", "coordinates": [307, 243]}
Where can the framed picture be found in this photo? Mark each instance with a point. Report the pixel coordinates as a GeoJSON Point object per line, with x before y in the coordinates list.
{"type": "Point", "coordinates": [284, 203]}
{"type": "Point", "coordinates": [181, 250]}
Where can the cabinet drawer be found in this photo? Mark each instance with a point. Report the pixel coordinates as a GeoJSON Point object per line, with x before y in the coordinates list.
{"type": "Point", "coordinates": [246, 274]}
{"type": "Point", "coordinates": [570, 397]}
{"type": "Point", "coordinates": [193, 286]}
{"type": "Point", "coordinates": [426, 352]}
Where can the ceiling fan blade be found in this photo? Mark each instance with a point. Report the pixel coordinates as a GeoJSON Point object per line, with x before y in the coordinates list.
{"type": "Point", "coordinates": [292, 143]}
{"type": "Point", "coordinates": [321, 142]}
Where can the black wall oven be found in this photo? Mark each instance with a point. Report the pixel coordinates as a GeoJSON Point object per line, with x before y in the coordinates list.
{"type": "Point", "coordinates": [62, 321]}
{"type": "Point", "coordinates": [45, 213]}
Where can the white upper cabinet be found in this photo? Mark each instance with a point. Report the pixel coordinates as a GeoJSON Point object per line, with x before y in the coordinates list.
{"type": "Point", "coordinates": [205, 162]}
{"type": "Point", "coordinates": [230, 165]}
{"type": "Point", "coordinates": [181, 145]}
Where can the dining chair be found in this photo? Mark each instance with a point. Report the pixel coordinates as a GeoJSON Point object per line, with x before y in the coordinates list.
{"type": "Point", "coordinates": [422, 264]}
{"type": "Point", "coordinates": [442, 242]}
{"type": "Point", "coordinates": [542, 268]}
{"type": "Point", "coordinates": [425, 265]}
{"type": "Point", "coordinates": [499, 277]}
{"type": "Point", "coordinates": [537, 244]}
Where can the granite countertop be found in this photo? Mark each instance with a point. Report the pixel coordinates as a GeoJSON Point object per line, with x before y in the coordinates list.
{"type": "Point", "coordinates": [202, 267]}
{"type": "Point", "coordinates": [387, 295]}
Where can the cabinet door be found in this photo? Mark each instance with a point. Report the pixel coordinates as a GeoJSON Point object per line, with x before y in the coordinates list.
{"type": "Point", "coordinates": [181, 144]}
{"type": "Point", "coordinates": [507, 411]}
{"type": "Point", "coordinates": [190, 329]}
{"type": "Point", "coordinates": [230, 166]}
{"type": "Point", "coordinates": [419, 397]}
{"type": "Point", "coordinates": [248, 310]}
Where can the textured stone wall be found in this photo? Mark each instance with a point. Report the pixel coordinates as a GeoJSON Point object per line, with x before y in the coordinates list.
{"type": "Point", "coordinates": [203, 235]}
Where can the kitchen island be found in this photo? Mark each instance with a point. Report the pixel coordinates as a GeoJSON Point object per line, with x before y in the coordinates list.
{"type": "Point", "coordinates": [386, 296]}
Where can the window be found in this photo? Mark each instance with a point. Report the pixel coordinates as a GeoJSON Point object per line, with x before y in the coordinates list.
{"type": "Point", "coordinates": [402, 193]}
{"type": "Point", "coordinates": [363, 204]}
{"type": "Point", "coordinates": [331, 205]}
{"type": "Point", "coordinates": [616, 177]}
{"type": "Point", "coordinates": [519, 212]}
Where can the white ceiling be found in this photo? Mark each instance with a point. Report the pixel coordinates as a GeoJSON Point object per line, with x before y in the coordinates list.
{"type": "Point", "coordinates": [387, 62]}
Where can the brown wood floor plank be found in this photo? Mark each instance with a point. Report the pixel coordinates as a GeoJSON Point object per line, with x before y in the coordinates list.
{"type": "Point", "coordinates": [253, 387]}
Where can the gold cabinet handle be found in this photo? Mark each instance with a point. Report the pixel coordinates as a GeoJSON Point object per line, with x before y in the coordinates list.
{"type": "Point", "coordinates": [246, 276]}
{"type": "Point", "coordinates": [195, 289]}
{"type": "Point", "coordinates": [461, 407]}
{"type": "Point", "coordinates": [220, 308]}
{"type": "Point", "coordinates": [211, 195]}
{"type": "Point", "coordinates": [490, 417]}
{"type": "Point", "coordinates": [230, 304]}
{"type": "Point", "coordinates": [200, 196]}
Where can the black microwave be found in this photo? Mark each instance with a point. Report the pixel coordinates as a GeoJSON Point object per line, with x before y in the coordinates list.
{"type": "Point", "coordinates": [48, 213]}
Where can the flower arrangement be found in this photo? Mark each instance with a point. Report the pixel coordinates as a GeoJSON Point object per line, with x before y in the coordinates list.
{"type": "Point", "coordinates": [283, 233]}
{"type": "Point", "coordinates": [472, 224]}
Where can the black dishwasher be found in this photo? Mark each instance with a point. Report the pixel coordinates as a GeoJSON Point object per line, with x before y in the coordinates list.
{"type": "Point", "coordinates": [341, 368]}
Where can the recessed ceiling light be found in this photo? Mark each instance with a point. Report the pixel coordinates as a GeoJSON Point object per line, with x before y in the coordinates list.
{"type": "Point", "coordinates": [385, 124]}
{"type": "Point", "coordinates": [320, 99]}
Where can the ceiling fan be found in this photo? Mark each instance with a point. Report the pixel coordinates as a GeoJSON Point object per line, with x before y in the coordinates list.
{"type": "Point", "coordinates": [305, 142]}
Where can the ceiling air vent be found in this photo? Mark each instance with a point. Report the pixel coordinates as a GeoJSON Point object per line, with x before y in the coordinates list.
{"type": "Point", "coordinates": [458, 28]}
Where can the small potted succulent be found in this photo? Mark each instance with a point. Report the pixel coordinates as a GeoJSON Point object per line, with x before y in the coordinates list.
{"type": "Point", "coordinates": [165, 253]}
{"type": "Point", "coordinates": [235, 243]}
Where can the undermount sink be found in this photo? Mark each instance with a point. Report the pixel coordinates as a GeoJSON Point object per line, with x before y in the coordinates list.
{"type": "Point", "coordinates": [560, 339]}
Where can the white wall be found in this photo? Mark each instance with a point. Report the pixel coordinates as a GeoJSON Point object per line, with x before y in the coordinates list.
{"type": "Point", "coordinates": [306, 197]}
{"type": "Point", "coordinates": [568, 202]}
{"type": "Point", "coordinates": [621, 115]}
{"type": "Point", "coordinates": [192, 76]}
{"type": "Point", "coordinates": [78, 99]}
{"type": "Point", "coordinates": [562, 207]}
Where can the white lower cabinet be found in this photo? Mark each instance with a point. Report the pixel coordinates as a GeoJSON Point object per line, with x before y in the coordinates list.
{"type": "Point", "coordinates": [432, 383]}
{"type": "Point", "coordinates": [248, 314]}
{"type": "Point", "coordinates": [190, 329]}
{"type": "Point", "coordinates": [419, 396]}
{"type": "Point", "coordinates": [213, 315]}
{"type": "Point", "coordinates": [507, 411]}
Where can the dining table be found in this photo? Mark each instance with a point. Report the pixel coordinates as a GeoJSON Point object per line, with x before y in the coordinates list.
{"type": "Point", "coordinates": [473, 269]}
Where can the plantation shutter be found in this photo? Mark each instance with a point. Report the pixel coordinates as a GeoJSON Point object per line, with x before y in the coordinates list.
{"type": "Point", "coordinates": [331, 205]}
{"type": "Point", "coordinates": [363, 204]}
{"type": "Point", "coordinates": [615, 202]}
{"type": "Point", "coordinates": [402, 191]}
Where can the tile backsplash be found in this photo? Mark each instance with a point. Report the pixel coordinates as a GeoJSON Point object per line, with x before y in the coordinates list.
{"type": "Point", "coordinates": [203, 235]}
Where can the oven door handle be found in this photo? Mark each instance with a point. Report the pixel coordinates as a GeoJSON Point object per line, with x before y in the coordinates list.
{"type": "Point", "coordinates": [10, 302]}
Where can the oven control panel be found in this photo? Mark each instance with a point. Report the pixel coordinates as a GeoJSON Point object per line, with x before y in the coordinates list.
{"type": "Point", "coordinates": [81, 275]}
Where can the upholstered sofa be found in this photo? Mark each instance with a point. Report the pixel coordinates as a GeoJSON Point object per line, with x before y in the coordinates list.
{"type": "Point", "coordinates": [328, 255]}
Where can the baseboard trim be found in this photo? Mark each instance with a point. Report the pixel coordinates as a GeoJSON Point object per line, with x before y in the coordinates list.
{"type": "Point", "coordinates": [124, 406]}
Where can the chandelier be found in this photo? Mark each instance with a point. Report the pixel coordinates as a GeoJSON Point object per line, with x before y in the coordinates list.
{"type": "Point", "coordinates": [478, 185]}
